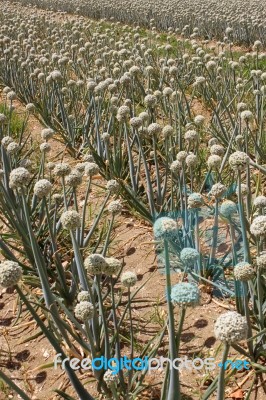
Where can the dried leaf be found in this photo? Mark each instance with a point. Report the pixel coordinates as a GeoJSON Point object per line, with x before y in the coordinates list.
{"type": "Point", "coordinates": [238, 394]}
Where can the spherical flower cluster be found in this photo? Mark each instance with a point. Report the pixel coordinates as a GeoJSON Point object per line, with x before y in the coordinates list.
{"type": "Point", "coordinates": [258, 226]}
{"type": "Point", "coordinates": [200, 80]}
{"type": "Point", "coordinates": [243, 271]}
{"type": "Point", "coordinates": [167, 131]}
{"type": "Point", "coordinates": [11, 95]}
{"type": "Point", "coordinates": [181, 156]}
{"type": "Point", "coordinates": [42, 188]}
{"type": "Point", "coordinates": [88, 158]}
{"type": "Point", "coordinates": [135, 122]}
{"type": "Point", "coordinates": [241, 107]}
{"type": "Point", "coordinates": [210, 65]}
{"type": "Point", "coordinates": [80, 167]}
{"type": "Point", "coordinates": [56, 75]}
{"type": "Point", "coordinates": [214, 161]}
{"type": "Point", "coordinates": [217, 149]}
{"type": "Point", "coordinates": [95, 264]}
{"type": "Point", "coordinates": [231, 327]}
{"type": "Point", "coordinates": [238, 160]}
{"type": "Point", "coordinates": [115, 207]}
{"type": "Point", "coordinates": [191, 160]}
{"type": "Point", "coordinates": [257, 45]}
{"type": "Point", "coordinates": [110, 378]}
{"type": "Point", "coordinates": [62, 169]}
{"type": "Point", "coordinates": [45, 147]}
{"type": "Point", "coordinates": [199, 119]}
{"type": "Point", "coordinates": [47, 133]}
{"type": "Point", "coordinates": [50, 165]}
{"type": "Point", "coordinates": [84, 311]}
{"type": "Point", "coordinates": [261, 260]}
{"type": "Point", "coordinates": [239, 139]}
{"type": "Point", "coordinates": [105, 137]}
{"type": "Point", "coordinates": [195, 200]}
{"type": "Point", "coordinates": [91, 169]}
{"type": "Point", "coordinates": [218, 190]}
{"type": "Point", "coordinates": [167, 91]}
{"type": "Point", "coordinates": [6, 141]}
{"type": "Point", "coordinates": [112, 267]}
{"type": "Point", "coordinates": [164, 228]}
{"type": "Point", "coordinates": [154, 129]}
{"type": "Point", "coordinates": [19, 177]}
{"type": "Point", "coordinates": [10, 273]}
{"type": "Point", "coordinates": [228, 208]}
{"type": "Point", "coordinates": [83, 296]}
{"type": "Point", "coordinates": [150, 100]}
{"type": "Point", "coordinates": [122, 113]}
{"type": "Point", "coordinates": [70, 220]}
{"type": "Point", "coordinates": [260, 201]}
{"type": "Point", "coordinates": [30, 107]}
{"type": "Point", "coordinates": [246, 116]}
{"type": "Point", "coordinates": [144, 116]}
{"type": "Point", "coordinates": [185, 294]}
{"type": "Point", "coordinates": [74, 179]}
{"type": "Point", "coordinates": [112, 186]}
{"type": "Point", "coordinates": [128, 279]}
{"type": "Point", "coordinates": [189, 256]}
{"type": "Point", "coordinates": [176, 166]}
{"type": "Point", "coordinates": [12, 148]}
{"type": "Point", "coordinates": [191, 136]}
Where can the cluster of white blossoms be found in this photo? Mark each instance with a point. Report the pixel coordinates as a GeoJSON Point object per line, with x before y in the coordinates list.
{"type": "Point", "coordinates": [10, 273]}
{"type": "Point", "coordinates": [70, 220]}
{"type": "Point", "coordinates": [42, 188]}
{"type": "Point", "coordinates": [84, 311]}
{"type": "Point", "coordinates": [113, 186]}
{"type": "Point", "coordinates": [164, 228]}
{"type": "Point", "coordinates": [74, 179]}
{"type": "Point", "coordinates": [261, 260]}
{"type": "Point", "coordinates": [115, 207]}
{"type": "Point", "coordinates": [238, 160]}
{"type": "Point", "coordinates": [91, 169]}
{"type": "Point", "coordinates": [231, 327]}
{"type": "Point", "coordinates": [128, 279]}
{"type": "Point", "coordinates": [47, 134]}
{"type": "Point", "coordinates": [195, 200]}
{"type": "Point", "coordinates": [83, 296]}
{"type": "Point", "coordinates": [258, 226]}
{"type": "Point", "coordinates": [260, 202]}
{"type": "Point", "coordinates": [218, 190]}
{"type": "Point", "coordinates": [62, 169]}
{"type": "Point", "coordinates": [243, 271]}
{"type": "Point", "coordinates": [19, 178]}
{"type": "Point", "coordinates": [110, 378]}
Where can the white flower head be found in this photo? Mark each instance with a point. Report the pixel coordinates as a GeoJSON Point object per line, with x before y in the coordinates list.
{"type": "Point", "coordinates": [70, 220]}
{"type": "Point", "coordinates": [258, 226]}
{"type": "Point", "coordinates": [42, 188]}
{"type": "Point", "coordinates": [19, 177]}
{"type": "Point", "coordinates": [10, 273]}
{"type": "Point", "coordinates": [128, 279]}
{"type": "Point", "coordinates": [231, 327]}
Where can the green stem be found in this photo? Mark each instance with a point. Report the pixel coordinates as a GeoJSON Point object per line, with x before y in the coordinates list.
{"type": "Point", "coordinates": [174, 385]}
{"type": "Point", "coordinates": [221, 381]}
{"type": "Point", "coordinates": [107, 240]}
